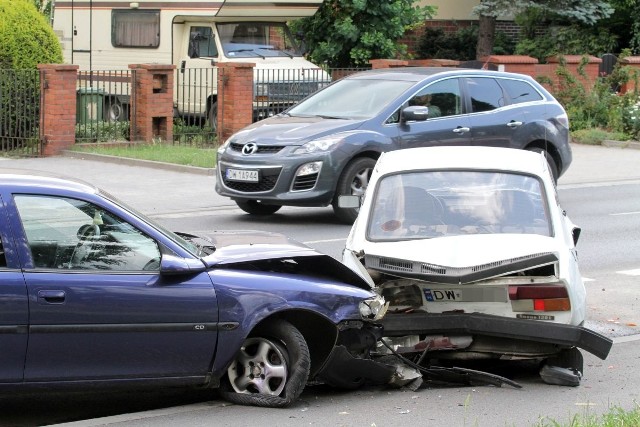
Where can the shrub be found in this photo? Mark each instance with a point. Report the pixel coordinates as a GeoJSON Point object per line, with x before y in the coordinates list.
{"type": "Point", "coordinates": [596, 136]}
{"type": "Point", "coordinates": [631, 119]}
{"type": "Point", "coordinates": [95, 131]}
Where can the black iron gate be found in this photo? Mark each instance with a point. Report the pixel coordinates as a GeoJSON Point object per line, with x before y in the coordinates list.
{"type": "Point", "coordinates": [20, 113]}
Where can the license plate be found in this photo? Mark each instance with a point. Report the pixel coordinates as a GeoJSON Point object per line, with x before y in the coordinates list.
{"type": "Point", "coordinates": [435, 295]}
{"type": "Point", "coordinates": [242, 175]}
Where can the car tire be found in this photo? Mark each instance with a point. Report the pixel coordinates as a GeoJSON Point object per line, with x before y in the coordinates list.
{"type": "Point", "coordinates": [256, 207]}
{"type": "Point", "coordinates": [353, 181]}
{"type": "Point", "coordinates": [552, 164]}
{"type": "Point", "coordinates": [212, 117]}
{"type": "Point", "coordinates": [279, 354]}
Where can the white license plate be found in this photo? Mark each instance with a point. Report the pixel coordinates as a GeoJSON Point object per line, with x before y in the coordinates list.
{"type": "Point", "coordinates": [435, 295]}
{"type": "Point", "coordinates": [242, 175]}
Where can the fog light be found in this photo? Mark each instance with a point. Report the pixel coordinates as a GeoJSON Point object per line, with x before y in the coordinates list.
{"type": "Point", "coordinates": [309, 169]}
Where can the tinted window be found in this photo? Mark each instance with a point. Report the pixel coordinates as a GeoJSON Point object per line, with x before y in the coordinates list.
{"type": "Point", "coordinates": [520, 91]}
{"type": "Point", "coordinates": [442, 98]}
{"type": "Point", "coordinates": [135, 28]}
{"type": "Point", "coordinates": [67, 233]}
{"type": "Point", "coordinates": [486, 94]}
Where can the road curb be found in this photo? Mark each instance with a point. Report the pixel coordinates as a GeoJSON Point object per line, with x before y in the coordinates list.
{"type": "Point", "coordinates": [621, 144]}
{"type": "Point", "coordinates": [137, 162]}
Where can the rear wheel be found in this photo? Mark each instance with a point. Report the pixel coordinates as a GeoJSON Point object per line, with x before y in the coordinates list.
{"type": "Point", "coordinates": [116, 111]}
{"type": "Point", "coordinates": [256, 207]}
{"type": "Point", "coordinates": [553, 167]}
{"type": "Point", "coordinates": [353, 181]}
{"type": "Point", "coordinates": [270, 369]}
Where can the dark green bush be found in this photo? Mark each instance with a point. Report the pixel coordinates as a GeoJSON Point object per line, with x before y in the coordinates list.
{"type": "Point", "coordinates": [461, 45]}
{"type": "Point", "coordinates": [96, 131]}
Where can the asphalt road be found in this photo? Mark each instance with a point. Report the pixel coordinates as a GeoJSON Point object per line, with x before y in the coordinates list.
{"type": "Point", "coordinates": [601, 192]}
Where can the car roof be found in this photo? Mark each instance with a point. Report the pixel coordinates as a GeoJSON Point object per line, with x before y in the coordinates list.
{"type": "Point", "coordinates": [474, 158]}
{"type": "Point", "coordinates": [25, 179]}
{"type": "Point", "coordinates": [421, 73]}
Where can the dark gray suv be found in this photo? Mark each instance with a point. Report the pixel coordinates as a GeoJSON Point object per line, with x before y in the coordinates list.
{"type": "Point", "coordinates": [328, 144]}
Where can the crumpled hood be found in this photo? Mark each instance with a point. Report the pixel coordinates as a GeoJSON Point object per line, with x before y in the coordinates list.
{"type": "Point", "coordinates": [285, 130]}
{"type": "Point", "coordinates": [235, 247]}
{"type": "Point", "coordinates": [242, 246]}
{"type": "Point", "coordinates": [470, 255]}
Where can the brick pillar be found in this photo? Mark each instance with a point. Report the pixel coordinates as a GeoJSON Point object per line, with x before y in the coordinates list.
{"type": "Point", "coordinates": [235, 97]}
{"type": "Point", "coordinates": [387, 63]}
{"type": "Point", "coordinates": [58, 107]}
{"type": "Point", "coordinates": [513, 63]}
{"type": "Point", "coordinates": [633, 64]}
{"type": "Point", "coordinates": [152, 102]}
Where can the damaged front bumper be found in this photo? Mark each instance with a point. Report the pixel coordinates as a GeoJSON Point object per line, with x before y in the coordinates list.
{"type": "Point", "coordinates": [396, 325]}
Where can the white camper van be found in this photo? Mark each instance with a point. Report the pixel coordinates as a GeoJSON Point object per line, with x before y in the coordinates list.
{"type": "Point", "coordinates": [194, 35]}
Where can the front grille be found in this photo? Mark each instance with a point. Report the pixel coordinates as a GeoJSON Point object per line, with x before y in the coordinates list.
{"type": "Point", "coordinates": [291, 91]}
{"type": "Point", "coordinates": [262, 149]}
{"type": "Point", "coordinates": [268, 179]}
{"type": "Point", "coordinates": [306, 182]}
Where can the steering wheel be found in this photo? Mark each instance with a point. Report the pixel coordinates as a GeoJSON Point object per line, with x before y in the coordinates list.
{"type": "Point", "coordinates": [80, 251]}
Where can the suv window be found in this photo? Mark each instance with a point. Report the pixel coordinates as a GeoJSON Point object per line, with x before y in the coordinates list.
{"type": "Point", "coordinates": [485, 93]}
{"type": "Point", "coordinates": [442, 98]}
{"type": "Point", "coordinates": [520, 91]}
{"type": "Point", "coordinates": [74, 234]}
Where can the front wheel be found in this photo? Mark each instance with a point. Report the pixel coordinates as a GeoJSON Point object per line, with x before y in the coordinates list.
{"type": "Point", "coordinates": [256, 207]}
{"type": "Point", "coordinates": [353, 181]}
{"type": "Point", "coordinates": [270, 369]}
{"type": "Point", "coordinates": [212, 117]}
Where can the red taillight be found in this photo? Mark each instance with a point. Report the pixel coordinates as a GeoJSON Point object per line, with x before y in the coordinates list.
{"type": "Point", "coordinates": [537, 292]}
{"type": "Point", "coordinates": [539, 298]}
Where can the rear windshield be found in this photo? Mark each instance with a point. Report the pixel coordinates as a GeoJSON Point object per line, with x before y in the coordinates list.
{"type": "Point", "coordinates": [435, 204]}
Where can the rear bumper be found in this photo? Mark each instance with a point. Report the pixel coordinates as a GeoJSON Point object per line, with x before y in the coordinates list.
{"type": "Point", "coordinates": [496, 326]}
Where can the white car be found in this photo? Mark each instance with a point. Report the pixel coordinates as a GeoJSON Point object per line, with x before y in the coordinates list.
{"type": "Point", "coordinates": [476, 257]}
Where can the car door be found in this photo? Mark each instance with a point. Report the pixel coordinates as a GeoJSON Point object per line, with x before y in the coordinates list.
{"type": "Point", "coordinates": [446, 124]}
{"type": "Point", "coordinates": [493, 121]}
{"type": "Point", "coordinates": [14, 308]}
{"type": "Point", "coordinates": [99, 307]}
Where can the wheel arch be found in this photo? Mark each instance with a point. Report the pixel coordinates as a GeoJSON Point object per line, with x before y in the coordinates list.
{"type": "Point", "coordinates": [319, 333]}
{"type": "Point", "coordinates": [549, 148]}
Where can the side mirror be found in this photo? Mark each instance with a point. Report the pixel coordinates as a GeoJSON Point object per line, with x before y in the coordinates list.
{"type": "Point", "coordinates": [349, 202]}
{"type": "Point", "coordinates": [575, 233]}
{"type": "Point", "coordinates": [171, 265]}
{"type": "Point", "coordinates": [415, 113]}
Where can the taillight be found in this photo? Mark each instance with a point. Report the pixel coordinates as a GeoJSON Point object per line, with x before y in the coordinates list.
{"type": "Point", "coordinates": [563, 120]}
{"type": "Point", "coordinates": [539, 298]}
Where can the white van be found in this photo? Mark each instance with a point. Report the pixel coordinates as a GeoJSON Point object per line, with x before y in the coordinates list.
{"type": "Point", "coordinates": [195, 35]}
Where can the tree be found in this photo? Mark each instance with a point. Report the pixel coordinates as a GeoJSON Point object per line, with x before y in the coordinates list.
{"type": "Point", "coordinates": [346, 33]}
{"type": "Point", "coordinates": [582, 11]}
{"type": "Point", "coordinates": [26, 38]}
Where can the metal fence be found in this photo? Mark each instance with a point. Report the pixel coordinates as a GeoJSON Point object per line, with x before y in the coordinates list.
{"type": "Point", "coordinates": [20, 113]}
{"type": "Point", "coordinates": [103, 106]}
{"type": "Point", "coordinates": [196, 109]}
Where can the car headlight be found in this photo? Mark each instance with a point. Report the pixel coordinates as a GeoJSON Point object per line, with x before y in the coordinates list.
{"type": "Point", "coordinates": [373, 308]}
{"type": "Point", "coordinates": [319, 145]}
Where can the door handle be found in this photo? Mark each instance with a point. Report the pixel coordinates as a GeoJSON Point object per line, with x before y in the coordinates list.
{"type": "Point", "coordinates": [461, 129]}
{"type": "Point", "coordinates": [183, 64]}
{"type": "Point", "coordinates": [52, 297]}
{"type": "Point", "coordinates": [514, 124]}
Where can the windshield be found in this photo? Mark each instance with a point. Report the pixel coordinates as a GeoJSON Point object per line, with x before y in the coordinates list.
{"type": "Point", "coordinates": [352, 99]}
{"type": "Point", "coordinates": [256, 39]}
{"type": "Point", "coordinates": [190, 247]}
{"type": "Point", "coordinates": [432, 204]}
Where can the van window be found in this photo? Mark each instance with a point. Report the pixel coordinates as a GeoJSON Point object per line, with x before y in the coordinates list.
{"type": "Point", "coordinates": [202, 43]}
{"type": "Point", "coordinates": [135, 28]}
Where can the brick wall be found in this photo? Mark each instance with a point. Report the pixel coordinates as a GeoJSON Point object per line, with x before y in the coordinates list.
{"type": "Point", "coordinates": [152, 102]}
{"type": "Point", "coordinates": [235, 97]}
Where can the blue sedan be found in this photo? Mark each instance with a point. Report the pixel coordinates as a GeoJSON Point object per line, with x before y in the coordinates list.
{"type": "Point", "coordinates": [94, 293]}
